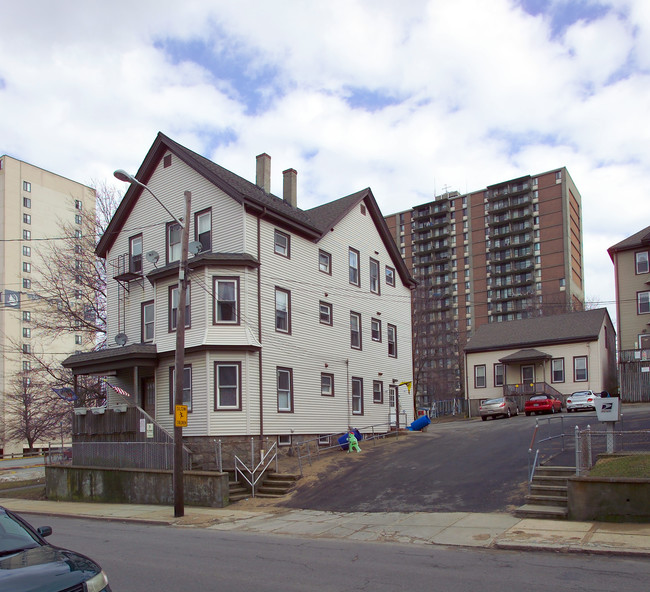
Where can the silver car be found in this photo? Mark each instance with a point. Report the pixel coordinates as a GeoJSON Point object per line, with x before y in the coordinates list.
{"type": "Point", "coordinates": [581, 401]}
{"type": "Point", "coordinates": [501, 407]}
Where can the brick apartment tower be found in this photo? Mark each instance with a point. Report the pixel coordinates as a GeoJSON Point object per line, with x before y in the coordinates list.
{"type": "Point", "coordinates": [510, 251]}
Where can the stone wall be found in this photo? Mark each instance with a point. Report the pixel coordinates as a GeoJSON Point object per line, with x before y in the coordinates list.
{"type": "Point", "coordinates": [608, 499]}
{"type": "Point", "coordinates": [134, 486]}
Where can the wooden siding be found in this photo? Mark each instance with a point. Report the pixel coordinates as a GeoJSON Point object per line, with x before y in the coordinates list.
{"type": "Point", "coordinates": [628, 283]}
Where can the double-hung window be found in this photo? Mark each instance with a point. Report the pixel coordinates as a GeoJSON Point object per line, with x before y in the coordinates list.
{"type": "Point", "coordinates": [354, 267]}
{"type": "Point", "coordinates": [377, 391]}
{"type": "Point", "coordinates": [374, 276]}
{"type": "Point", "coordinates": [324, 262]}
{"type": "Point", "coordinates": [173, 307]}
{"type": "Point", "coordinates": [390, 276]}
{"type": "Point", "coordinates": [391, 333]}
{"type": "Point", "coordinates": [174, 232]}
{"type": "Point", "coordinates": [641, 261]}
{"type": "Point", "coordinates": [557, 370]}
{"type": "Point", "coordinates": [643, 302]}
{"type": "Point", "coordinates": [135, 254]}
{"type": "Point", "coordinates": [282, 244]}
{"type": "Point", "coordinates": [147, 321]}
{"type": "Point", "coordinates": [187, 387]}
{"type": "Point", "coordinates": [479, 376]}
{"type": "Point", "coordinates": [203, 230]}
{"type": "Point", "coordinates": [327, 384]}
{"type": "Point", "coordinates": [357, 396]}
{"type": "Point", "coordinates": [325, 313]}
{"type": "Point", "coordinates": [580, 370]}
{"type": "Point", "coordinates": [226, 308]}
{"type": "Point", "coordinates": [355, 330]}
{"type": "Point", "coordinates": [227, 388]}
{"type": "Point", "coordinates": [499, 377]}
{"type": "Point", "coordinates": [375, 329]}
{"type": "Point", "coordinates": [285, 389]}
{"type": "Point", "coordinates": [282, 310]}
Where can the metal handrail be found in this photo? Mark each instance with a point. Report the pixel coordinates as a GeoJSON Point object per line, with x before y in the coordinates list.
{"type": "Point", "coordinates": [253, 479]}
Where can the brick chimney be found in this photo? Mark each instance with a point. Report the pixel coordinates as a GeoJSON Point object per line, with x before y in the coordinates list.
{"type": "Point", "coordinates": [290, 187]}
{"type": "Point", "coordinates": [263, 172]}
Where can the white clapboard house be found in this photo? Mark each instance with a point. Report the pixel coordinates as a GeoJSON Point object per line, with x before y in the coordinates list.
{"type": "Point", "coordinates": [298, 322]}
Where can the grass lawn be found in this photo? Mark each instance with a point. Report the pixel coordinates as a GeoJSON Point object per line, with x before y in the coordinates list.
{"type": "Point", "coordinates": [33, 489]}
{"type": "Point", "coordinates": [635, 465]}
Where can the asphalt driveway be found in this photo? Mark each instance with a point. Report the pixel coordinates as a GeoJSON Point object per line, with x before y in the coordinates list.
{"type": "Point", "coordinates": [459, 466]}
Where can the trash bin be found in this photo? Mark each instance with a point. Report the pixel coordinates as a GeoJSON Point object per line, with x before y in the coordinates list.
{"type": "Point", "coordinates": [343, 440]}
{"type": "Point", "coordinates": [421, 422]}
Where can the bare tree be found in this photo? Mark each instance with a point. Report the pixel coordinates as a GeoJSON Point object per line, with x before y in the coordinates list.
{"type": "Point", "coordinates": [33, 412]}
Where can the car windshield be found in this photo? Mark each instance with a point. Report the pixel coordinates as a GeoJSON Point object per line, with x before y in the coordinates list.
{"type": "Point", "coordinates": [581, 394]}
{"type": "Point", "coordinates": [539, 398]}
{"type": "Point", "coordinates": [14, 536]}
{"type": "Point", "coordinates": [493, 401]}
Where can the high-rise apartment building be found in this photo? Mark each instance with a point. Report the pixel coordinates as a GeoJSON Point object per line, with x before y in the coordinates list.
{"type": "Point", "coordinates": [34, 203]}
{"type": "Point", "coordinates": [510, 251]}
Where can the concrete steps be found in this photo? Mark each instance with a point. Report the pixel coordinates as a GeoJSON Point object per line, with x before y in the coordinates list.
{"type": "Point", "coordinates": [272, 486]}
{"type": "Point", "coordinates": [548, 494]}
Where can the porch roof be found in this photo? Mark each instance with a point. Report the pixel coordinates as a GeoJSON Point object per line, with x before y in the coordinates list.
{"type": "Point", "coordinates": [525, 355]}
{"type": "Point", "coordinates": [112, 358]}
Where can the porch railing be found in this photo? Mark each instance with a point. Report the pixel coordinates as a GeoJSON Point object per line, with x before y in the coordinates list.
{"type": "Point", "coordinates": [254, 473]}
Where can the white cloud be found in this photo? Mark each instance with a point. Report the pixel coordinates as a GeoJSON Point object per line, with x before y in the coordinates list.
{"type": "Point", "coordinates": [477, 92]}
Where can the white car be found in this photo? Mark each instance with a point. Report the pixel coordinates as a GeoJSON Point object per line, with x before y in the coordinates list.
{"type": "Point", "coordinates": [581, 400]}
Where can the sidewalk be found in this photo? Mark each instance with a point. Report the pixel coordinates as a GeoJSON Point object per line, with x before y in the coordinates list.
{"type": "Point", "coordinates": [495, 530]}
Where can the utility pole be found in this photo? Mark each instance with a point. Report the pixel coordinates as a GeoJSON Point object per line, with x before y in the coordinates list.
{"type": "Point", "coordinates": [179, 492]}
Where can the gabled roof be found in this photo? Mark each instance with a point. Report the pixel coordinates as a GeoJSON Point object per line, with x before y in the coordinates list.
{"type": "Point", "coordinates": [313, 224]}
{"type": "Point", "coordinates": [539, 331]}
{"type": "Point", "coordinates": [640, 239]}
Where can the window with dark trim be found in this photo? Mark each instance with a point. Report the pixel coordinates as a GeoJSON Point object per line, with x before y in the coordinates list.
{"type": "Point", "coordinates": [580, 369]}
{"type": "Point", "coordinates": [285, 389]}
{"type": "Point", "coordinates": [135, 254]}
{"type": "Point", "coordinates": [173, 307]}
{"type": "Point", "coordinates": [354, 267]}
{"type": "Point", "coordinates": [391, 335]}
{"type": "Point", "coordinates": [479, 376]}
{"type": "Point", "coordinates": [390, 276]}
{"type": "Point", "coordinates": [203, 229]}
{"type": "Point", "coordinates": [643, 302]}
{"type": "Point", "coordinates": [374, 276]}
{"type": "Point", "coordinates": [357, 396]}
{"type": "Point", "coordinates": [355, 330]}
{"type": "Point", "coordinates": [282, 310]}
{"type": "Point", "coordinates": [147, 329]}
{"type": "Point", "coordinates": [325, 312]}
{"type": "Point", "coordinates": [377, 391]}
{"type": "Point", "coordinates": [282, 244]}
{"type": "Point", "coordinates": [27, 202]}
{"type": "Point", "coordinates": [226, 301]}
{"type": "Point", "coordinates": [326, 384]}
{"type": "Point", "coordinates": [375, 329]}
{"type": "Point", "coordinates": [499, 375]}
{"type": "Point", "coordinates": [227, 386]}
{"type": "Point", "coordinates": [324, 262]}
{"type": "Point", "coordinates": [173, 238]}
{"type": "Point", "coordinates": [187, 387]}
{"type": "Point", "coordinates": [557, 370]}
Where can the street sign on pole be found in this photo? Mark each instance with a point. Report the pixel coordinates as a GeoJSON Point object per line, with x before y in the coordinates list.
{"type": "Point", "coordinates": [181, 416]}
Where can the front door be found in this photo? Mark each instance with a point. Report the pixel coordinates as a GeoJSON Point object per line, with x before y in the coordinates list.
{"type": "Point", "coordinates": [528, 378]}
{"type": "Point", "coordinates": [149, 396]}
{"type": "Point", "coordinates": [392, 403]}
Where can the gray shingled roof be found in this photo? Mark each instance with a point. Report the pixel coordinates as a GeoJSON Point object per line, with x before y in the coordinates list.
{"type": "Point", "coordinates": [638, 239]}
{"type": "Point", "coordinates": [539, 331]}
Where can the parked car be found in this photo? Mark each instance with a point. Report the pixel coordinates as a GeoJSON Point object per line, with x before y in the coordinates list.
{"type": "Point", "coordinates": [581, 400]}
{"type": "Point", "coordinates": [29, 562]}
{"type": "Point", "coordinates": [543, 404]}
{"type": "Point", "coordinates": [500, 407]}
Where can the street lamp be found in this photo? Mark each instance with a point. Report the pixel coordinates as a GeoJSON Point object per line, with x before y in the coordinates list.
{"type": "Point", "coordinates": [179, 363]}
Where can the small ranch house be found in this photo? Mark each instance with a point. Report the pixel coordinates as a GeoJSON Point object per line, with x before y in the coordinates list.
{"type": "Point", "coordinates": [554, 355]}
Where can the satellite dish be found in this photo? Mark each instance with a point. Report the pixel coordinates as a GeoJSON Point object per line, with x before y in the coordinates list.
{"type": "Point", "coordinates": [121, 339]}
{"type": "Point", "coordinates": [195, 247]}
{"type": "Point", "coordinates": [152, 257]}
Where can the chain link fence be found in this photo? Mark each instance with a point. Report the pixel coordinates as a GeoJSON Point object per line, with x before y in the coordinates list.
{"type": "Point", "coordinates": [590, 443]}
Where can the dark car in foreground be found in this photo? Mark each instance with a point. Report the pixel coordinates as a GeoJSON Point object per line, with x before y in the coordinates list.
{"type": "Point", "coordinates": [499, 407]}
{"type": "Point", "coordinates": [543, 404]}
{"type": "Point", "coordinates": [29, 563]}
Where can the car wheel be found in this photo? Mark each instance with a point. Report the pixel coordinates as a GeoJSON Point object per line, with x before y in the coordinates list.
{"type": "Point", "coordinates": [527, 413]}
{"type": "Point", "coordinates": [509, 414]}
{"type": "Point", "coordinates": [552, 410]}
{"type": "Point", "coordinates": [484, 417]}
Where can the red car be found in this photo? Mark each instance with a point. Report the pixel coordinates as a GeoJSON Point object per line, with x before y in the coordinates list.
{"type": "Point", "coordinates": [543, 404]}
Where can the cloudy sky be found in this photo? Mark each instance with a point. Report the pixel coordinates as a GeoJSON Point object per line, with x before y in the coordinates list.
{"type": "Point", "coordinates": [405, 96]}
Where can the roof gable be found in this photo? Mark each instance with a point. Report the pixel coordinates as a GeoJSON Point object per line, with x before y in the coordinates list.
{"type": "Point", "coordinates": [639, 239]}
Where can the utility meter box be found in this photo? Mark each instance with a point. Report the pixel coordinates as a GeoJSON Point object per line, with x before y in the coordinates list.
{"type": "Point", "coordinates": [608, 409]}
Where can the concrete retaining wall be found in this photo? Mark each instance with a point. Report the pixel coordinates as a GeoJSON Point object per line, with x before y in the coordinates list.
{"type": "Point", "coordinates": [134, 486]}
{"type": "Point", "coordinates": [607, 499]}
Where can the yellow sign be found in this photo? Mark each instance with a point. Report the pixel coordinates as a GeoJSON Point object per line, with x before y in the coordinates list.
{"type": "Point", "coordinates": [181, 416]}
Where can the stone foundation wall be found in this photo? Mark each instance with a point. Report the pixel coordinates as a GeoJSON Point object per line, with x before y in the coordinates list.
{"type": "Point", "coordinates": [608, 499]}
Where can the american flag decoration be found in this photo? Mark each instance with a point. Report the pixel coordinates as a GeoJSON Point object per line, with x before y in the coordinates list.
{"type": "Point", "coordinates": [118, 390]}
